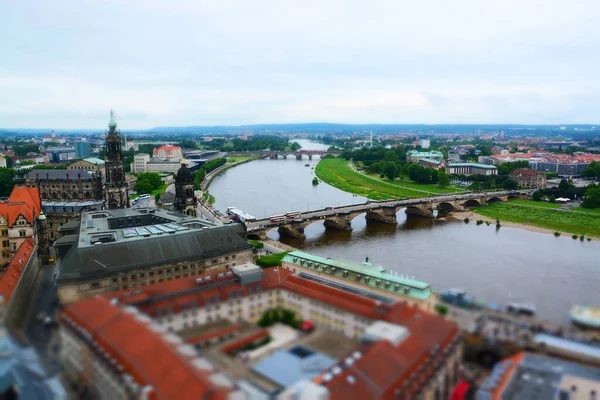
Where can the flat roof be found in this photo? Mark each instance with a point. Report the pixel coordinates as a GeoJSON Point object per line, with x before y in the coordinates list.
{"type": "Point", "coordinates": [422, 289]}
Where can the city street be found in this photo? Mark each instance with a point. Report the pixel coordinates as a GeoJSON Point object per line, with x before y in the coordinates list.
{"type": "Point", "coordinates": [42, 332]}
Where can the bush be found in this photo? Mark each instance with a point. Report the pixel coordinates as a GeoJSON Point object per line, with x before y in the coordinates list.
{"type": "Point", "coordinates": [557, 234]}
{"type": "Point", "coordinates": [143, 187]}
{"type": "Point", "coordinates": [487, 223]}
{"type": "Point", "coordinates": [574, 237]}
{"type": "Point", "coordinates": [315, 181]}
{"type": "Point", "coordinates": [466, 220]}
{"type": "Point", "coordinates": [479, 221]}
{"type": "Point", "coordinates": [274, 260]}
{"type": "Point", "coordinates": [256, 244]}
{"type": "Point", "coordinates": [589, 239]}
{"type": "Point", "coordinates": [581, 238]}
{"type": "Point", "coordinates": [441, 309]}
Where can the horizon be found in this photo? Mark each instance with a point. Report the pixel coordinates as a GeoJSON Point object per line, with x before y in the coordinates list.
{"type": "Point", "coordinates": [588, 127]}
{"type": "Point", "coordinates": [200, 63]}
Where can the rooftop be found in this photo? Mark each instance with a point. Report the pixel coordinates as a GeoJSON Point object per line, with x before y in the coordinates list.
{"type": "Point", "coordinates": [529, 375]}
{"type": "Point", "coordinates": [23, 201]}
{"type": "Point", "coordinates": [59, 175]}
{"type": "Point", "coordinates": [115, 240]}
{"type": "Point", "coordinates": [287, 367]}
{"type": "Point", "coordinates": [134, 342]}
{"type": "Point", "coordinates": [10, 279]}
{"type": "Point", "coordinates": [94, 160]}
{"type": "Point", "coordinates": [417, 289]}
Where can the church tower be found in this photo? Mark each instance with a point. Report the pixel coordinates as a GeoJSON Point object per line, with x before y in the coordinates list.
{"type": "Point", "coordinates": [117, 193]}
{"type": "Point", "coordinates": [185, 201]}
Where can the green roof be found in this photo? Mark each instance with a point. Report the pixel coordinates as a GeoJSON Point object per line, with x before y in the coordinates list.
{"type": "Point", "coordinates": [408, 287]}
{"type": "Point", "coordinates": [94, 160]}
{"type": "Point", "coordinates": [476, 165]}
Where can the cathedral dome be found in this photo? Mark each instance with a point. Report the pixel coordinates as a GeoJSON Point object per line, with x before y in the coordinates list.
{"type": "Point", "coordinates": [184, 174]}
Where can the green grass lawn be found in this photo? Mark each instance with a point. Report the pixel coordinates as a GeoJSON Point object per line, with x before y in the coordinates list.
{"type": "Point", "coordinates": [337, 173]}
{"type": "Point", "coordinates": [153, 193]}
{"type": "Point", "coordinates": [239, 158]}
{"type": "Point", "coordinates": [418, 186]}
{"type": "Point", "coordinates": [557, 220]}
{"type": "Point", "coordinates": [588, 210]}
{"type": "Point", "coordinates": [544, 204]}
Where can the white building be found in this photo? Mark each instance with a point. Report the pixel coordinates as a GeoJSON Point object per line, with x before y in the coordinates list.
{"type": "Point", "coordinates": [2, 162]}
{"type": "Point", "coordinates": [139, 162]}
{"type": "Point", "coordinates": [424, 143]}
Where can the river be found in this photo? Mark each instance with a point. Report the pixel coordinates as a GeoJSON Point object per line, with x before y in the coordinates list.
{"type": "Point", "coordinates": [498, 266]}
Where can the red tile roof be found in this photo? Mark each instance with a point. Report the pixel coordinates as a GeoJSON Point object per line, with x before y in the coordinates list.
{"type": "Point", "coordinates": [214, 334]}
{"type": "Point", "coordinates": [238, 344]}
{"type": "Point", "coordinates": [382, 367]}
{"type": "Point", "coordinates": [12, 274]}
{"type": "Point", "coordinates": [143, 353]}
{"type": "Point", "coordinates": [167, 148]}
{"type": "Point", "coordinates": [526, 172]}
{"type": "Point", "coordinates": [23, 201]}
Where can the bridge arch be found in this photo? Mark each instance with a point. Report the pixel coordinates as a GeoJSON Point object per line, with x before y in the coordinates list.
{"type": "Point", "coordinates": [495, 200]}
{"type": "Point", "coordinates": [446, 207]}
{"type": "Point", "coordinates": [471, 203]}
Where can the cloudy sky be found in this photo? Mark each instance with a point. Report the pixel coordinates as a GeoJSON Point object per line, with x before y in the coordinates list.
{"type": "Point", "coordinates": [65, 63]}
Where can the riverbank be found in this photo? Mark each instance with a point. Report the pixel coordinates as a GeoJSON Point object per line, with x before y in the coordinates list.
{"type": "Point", "coordinates": [338, 173]}
{"type": "Point", "coordinates": [535, 219]}
{"type": "Point", "coordinates": [213, 174]}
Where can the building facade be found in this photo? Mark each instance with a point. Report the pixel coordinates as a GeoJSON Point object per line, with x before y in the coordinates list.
{"type": "Point", "coordinates": [82, 150]}
{"type": "Point", "coordinates": [116, 190]}
{"type": "Point", "coordinates": [19, 219]}
{"type": "Point", "coordinates": [139, 162]}
{"type": "Point", "coordinates": [65, 194]}
{"type": "Point", "coordinates": [471, 169]}
{"type": "Point", "coordinates": [185, 200]}
{"type": "Point", "coordinates": [529, 178]}
{"type": "Point", "coordinates": [116, 249]}
{"type": "Point", "coordinates": [162, 165]}
{"type": "Point", "coordinates": [2, 162]}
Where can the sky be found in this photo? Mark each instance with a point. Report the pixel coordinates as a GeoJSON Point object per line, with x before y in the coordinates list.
{"type": "Point", "coordinates": [65, 63]}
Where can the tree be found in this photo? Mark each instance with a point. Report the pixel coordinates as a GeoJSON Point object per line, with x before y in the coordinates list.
{"type": "Point", "coordinates": [537, 195]}
{"type": "Point", "coordinates": [6, 181]}
{"type": "Point", "coordinates": [143, 187]}
{"type": "Point", "coordinates": [564, 185]}
{"type": "Point", "coordinates": [592, 170]}
{"type": "Point", "coordinates": [153, 178]}
{"type": "Point", "coordinates": [510, 184]}
{"type": "Point", "coordinates": [390, 170]}
{"type": "Point", "coordinates": [443, 179]}
{"type": "Point", "coordinates": [592, 197]}
{"type": "Point", "coordinates": [295, 146]}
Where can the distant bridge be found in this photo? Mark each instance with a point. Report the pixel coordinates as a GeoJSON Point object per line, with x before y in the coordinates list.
{"type": "Point", "coordinates": [274, 155]}
{"type": "Point", "coordinates": [340, 218]}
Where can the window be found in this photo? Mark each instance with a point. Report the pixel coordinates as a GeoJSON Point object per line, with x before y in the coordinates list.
{"type": "Point", "coordinates": [22, 233]}
{"type": "Point", "coordinates": [5, 243]}
{"type": "Point", "coordinates": [95, 285]}
{"type": "Point", "coordinates": [115, 280]}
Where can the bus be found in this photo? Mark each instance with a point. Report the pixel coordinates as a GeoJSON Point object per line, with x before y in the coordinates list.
{"type": "Point", "coordinates": [293, 214]}
{"type": "Point", "coordinates": [277, 218]}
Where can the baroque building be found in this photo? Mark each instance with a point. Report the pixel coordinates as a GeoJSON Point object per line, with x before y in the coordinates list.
{"type": "Point", "coordinates": [116, 190]}
{"type": "Point", "coordinates": [185, 200]}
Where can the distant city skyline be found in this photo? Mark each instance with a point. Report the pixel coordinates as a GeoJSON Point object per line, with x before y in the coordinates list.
{"type": "Point", "coordinates": [66, 63]}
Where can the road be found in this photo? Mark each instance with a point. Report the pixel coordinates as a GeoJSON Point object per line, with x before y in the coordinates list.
{"type": "Point", "coordinates": [41, 335]}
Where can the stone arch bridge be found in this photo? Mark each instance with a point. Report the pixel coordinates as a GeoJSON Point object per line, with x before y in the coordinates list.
{"type": "Point", "coordinates": [381, 211]}
{"type": "Point", "coordinates": [274, 155]}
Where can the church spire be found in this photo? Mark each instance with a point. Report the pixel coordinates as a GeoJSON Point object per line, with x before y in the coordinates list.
{"type": "Point", "coordinates": [117, 193]}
